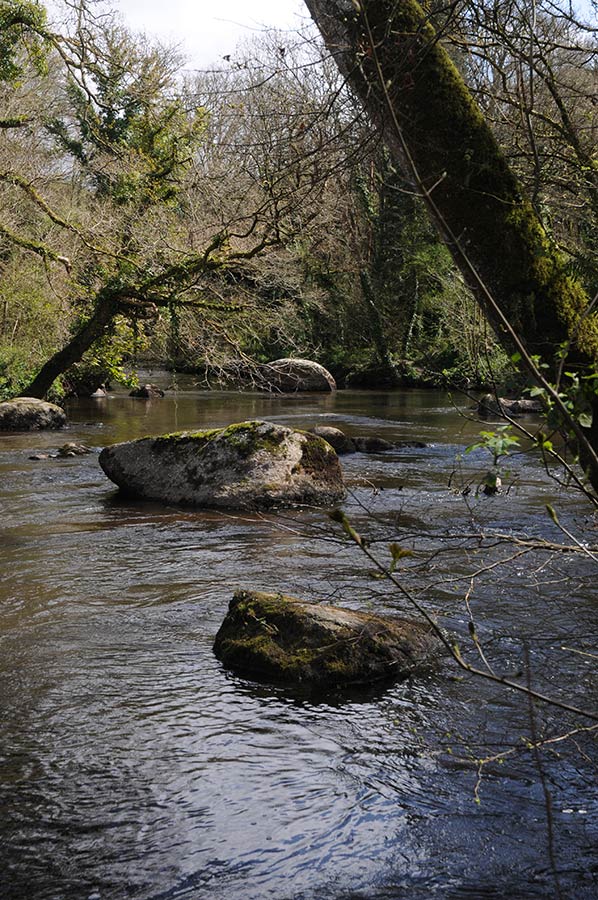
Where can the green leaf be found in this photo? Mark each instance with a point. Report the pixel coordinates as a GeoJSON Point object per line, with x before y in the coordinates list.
{"type": "Point", "coordinates": [585, 419]}
{"type": "Point", "coordinates": [471, 447]}
{"type": "Point", "coordinates": [397, 552]}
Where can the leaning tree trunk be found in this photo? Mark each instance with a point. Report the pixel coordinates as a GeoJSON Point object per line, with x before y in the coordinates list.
{"type": "Point", "coordinates": [71, 353]}
{"type": "Point", "coordinates": [392, 58]}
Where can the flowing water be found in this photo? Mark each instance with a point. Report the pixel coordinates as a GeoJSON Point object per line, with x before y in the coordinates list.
{"type": "Point", "coordinates": [133, 766]}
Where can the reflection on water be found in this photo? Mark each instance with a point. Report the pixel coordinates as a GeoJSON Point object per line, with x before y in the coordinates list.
{"type": "Point", "coordinates": [134, 766]}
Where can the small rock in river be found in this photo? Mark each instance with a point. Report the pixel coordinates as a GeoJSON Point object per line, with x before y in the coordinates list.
{"type": "Point", "coordinates": [372, 445]}
{"type": "Point", "coordinates": [73, 449]}
{"type": "Point", "coordinates": [337, 439]}
{"type": "Point", "coordinates": [147, 392]}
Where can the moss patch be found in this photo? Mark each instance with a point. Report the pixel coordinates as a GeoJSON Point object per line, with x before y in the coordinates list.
{"type": "Point", "coordinates": [246, 438]}
{"type": "Point", "coordinates": [250, 437]}
{"type": "Point", "coordinates": [197, 438]}
{"type": "Point", "coordinates": [320, 459]}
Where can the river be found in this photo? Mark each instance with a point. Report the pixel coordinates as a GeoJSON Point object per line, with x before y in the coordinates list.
{"type": "Point", "coordinates": [134, 766]}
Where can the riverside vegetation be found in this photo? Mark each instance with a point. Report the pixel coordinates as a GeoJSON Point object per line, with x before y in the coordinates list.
{"type": "Point", "coordinates": [247, 214]}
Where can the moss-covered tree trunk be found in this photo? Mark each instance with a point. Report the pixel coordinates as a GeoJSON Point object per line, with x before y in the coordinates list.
{"type": "Point", "coordinates": [95, 327]}
{"type": "Point", "coordinates": [393, 60]}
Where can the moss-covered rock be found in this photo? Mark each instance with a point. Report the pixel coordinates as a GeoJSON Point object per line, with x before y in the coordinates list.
{"type": "Point", "coordinates": [249, 465]}
{"type": "Point", "coordinates": [280, 638]}
{"type": "Point", "coordinates": [30, 414]}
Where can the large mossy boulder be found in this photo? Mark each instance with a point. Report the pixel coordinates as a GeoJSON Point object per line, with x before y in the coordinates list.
{"type": "Point", "coordinates": [251, 465]}
{"type": "Point", "coordinates": [292, 375]}
{"type": "Point", "coordinates": [30, 414]}
{"type": "Point", "coordinates": [283, 639]}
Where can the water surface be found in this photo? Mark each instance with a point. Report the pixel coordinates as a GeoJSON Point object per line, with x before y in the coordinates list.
{"type": "Point", "coordinates": [134, 766]}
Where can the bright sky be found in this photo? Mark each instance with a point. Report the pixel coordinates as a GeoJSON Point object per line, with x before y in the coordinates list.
{"type": "Point", "coordinates": [209, 29]}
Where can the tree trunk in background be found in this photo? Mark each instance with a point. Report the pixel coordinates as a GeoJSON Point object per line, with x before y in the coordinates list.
{"type": "Point", "coordinates": [392, 59]}
{"type": "Point", "coordinates": [377, 335]}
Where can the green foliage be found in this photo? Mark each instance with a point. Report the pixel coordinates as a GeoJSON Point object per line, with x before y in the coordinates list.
{"type": "Point", "coordinates": [397, 554]}
{"type": "Point", "coordinates": [133, 135]}
{"type": "Point", "coordinates": [577, 392]}
{"type": "Point", "coordinates": [498, 443]}
{"type": "Point", "coordinates": [22, 37]}
{"type": "Point", "coordinates": [15, 371]}
{"type": "Point", "coordinates": [31, 321]}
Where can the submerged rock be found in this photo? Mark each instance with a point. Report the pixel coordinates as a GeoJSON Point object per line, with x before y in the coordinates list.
{"type": "Point", "coordinates": [291, 375]}
{"type": "Point", "coordinates": [30, 414]}
{"type": "Point", "coordinates": [284, 639]}
{"type": "Point", "coordinates": [251, 465]}
{"type": "Point", "coordinates": [67, 450]}
{"type": "Point", "coordinates": [410, 445]}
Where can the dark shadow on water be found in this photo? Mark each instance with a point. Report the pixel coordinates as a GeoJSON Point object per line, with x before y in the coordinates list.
{"type": "Point", "coordinates": [298, 695]}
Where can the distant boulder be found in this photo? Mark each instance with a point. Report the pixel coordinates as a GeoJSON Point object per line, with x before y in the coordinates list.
{"type": "Point", "coordinates": [489, 405]}
{"type": "Point", "coordinates": [73, 449]}
{"type": "Point", "coordinates": [292, 375]}
{"type": "Point", "coordinates": [147, 392]}
{"type": "Point", "coordinates": [279, 638]}
{"type": "Point", "coordinates": [251, 465]}
{"type": "Point", "coordinates": [30, 414]}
